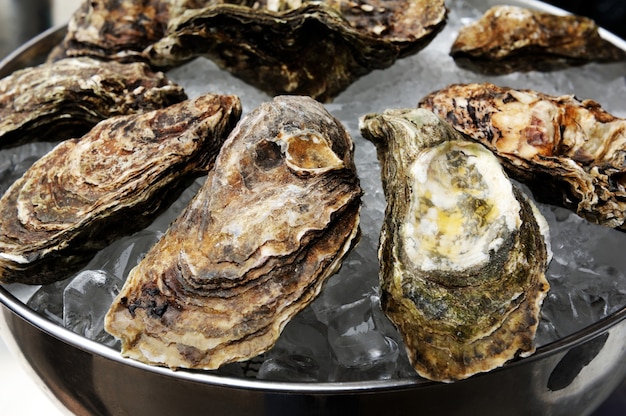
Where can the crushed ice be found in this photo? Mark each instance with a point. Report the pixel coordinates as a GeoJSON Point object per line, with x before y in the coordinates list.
{"type": "Point", "coordinates": [343, 335]}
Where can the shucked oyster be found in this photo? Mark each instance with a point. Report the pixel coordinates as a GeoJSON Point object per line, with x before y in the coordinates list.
{"type": "Point", "coordinates": [86, 192]}
{"type": "Point", "coordinates": [509, 38]}
{"type": "Point", "coordinates": [65, 99]}
{"type": "Point", "coordinates": [301, 47]}
{"type": "Point", "coordinates": [275, 218]}
{"type": "Point", "coordinates": [118, 29]}
{"type": "Point", "coordinates": [569, 152]}
{"type": "Point", "coordinates": [462, 251]}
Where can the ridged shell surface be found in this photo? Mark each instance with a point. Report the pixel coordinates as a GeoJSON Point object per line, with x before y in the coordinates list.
{"type": "Point", "coordinates": [274, 219]}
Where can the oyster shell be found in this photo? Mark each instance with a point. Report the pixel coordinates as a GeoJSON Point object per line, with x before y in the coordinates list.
{"type": "Point", "coordinates": [462, 252]}
{"type": "Point", "coordinates": [118, 30]}
{"type": "Point", "coordinates": [569, 152]}
{"type": "Point", "coordinates": [275, 218]}
{"type": "Point", "coordinates": [67, 98]}
{"type": "Point", "coordinates": [113, 181]}
{"type": "Point", "coordinates": [306, 48]}
{"type": "Point", "coordinates": [508, 38]}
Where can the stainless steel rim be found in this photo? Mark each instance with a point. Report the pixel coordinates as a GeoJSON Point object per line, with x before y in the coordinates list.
{"type": "Point", "coordinates": [29, 54]}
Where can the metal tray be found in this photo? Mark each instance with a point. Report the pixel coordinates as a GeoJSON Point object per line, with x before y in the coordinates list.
{"type": "Point", "coordinates": [571, 376]}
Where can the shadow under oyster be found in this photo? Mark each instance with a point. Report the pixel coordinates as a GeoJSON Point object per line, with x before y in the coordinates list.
{"type": "Point", "coordinates": [314, 48]}
{"type": "Point", "coordinates": [570, 152]}
{"type": "Point", "coordinates": [274, 219]}
{"type": "Point", "coordinates": [462, 251]}
{"type": "Point", "coordinates": [508, 39]}
{"type": "Point", "coordinates": [113, 181]}
{"type": "Point", "coordinates": [65, 99]}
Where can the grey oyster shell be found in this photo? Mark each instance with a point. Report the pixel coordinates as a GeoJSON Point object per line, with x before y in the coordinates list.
{"type": "Point", "coordinates": [508, 39]}
{"type": "Point", "coordinates": [274, 219]}
{"type": "Point", "coordinates": [65, 99]}
{"type": "Point", "coordinates": [570, 152]}
{"type": "Point", "coordinates": [301, 48]}
{"type": "Point", "coordinates": [119, 29]}
{"type": "Point", "coordinates": [111, 182]}
{"type": "Point", "coordinates": [462, 252]}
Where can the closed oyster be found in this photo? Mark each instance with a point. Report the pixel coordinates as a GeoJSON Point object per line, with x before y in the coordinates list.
{"type": "Point", "coordinates": [509, 38]}
{"type": "Point", "coordinates": [67, 98]}
{"type": "Point", "coordinates": [462, 251]}
{"type": "Point", "coordinates": [113, 181]}
{"type": "Point", "coordinates": [303, 47]}
{"type": "Point", "coordinates": [275, 218]}
{"type": "Point", "coordinates": [118, 30]}
{"type": "Point", "coordinates": [569, 152]}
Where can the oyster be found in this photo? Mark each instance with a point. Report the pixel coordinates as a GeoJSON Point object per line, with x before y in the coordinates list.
{"type": "Point", "coordinates": [118, 30]}
{"type": "Point", "coordinates": [569, 152]}
{"type": "Point", "coordinates": [509, 38]}
{"type": "Point", "coordinates": [302, 47]}
{"type": "Point", "coordinates": [113, 181]}
{"type": "Point", "coordinates": [274, 219]}
{"type": "Point", "coordinates": [67, 98]}
{"type": "Point", "coordinates": [462, 252]}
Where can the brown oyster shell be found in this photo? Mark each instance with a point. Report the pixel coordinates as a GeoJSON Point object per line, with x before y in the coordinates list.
{"type": "Point", "coordinates": [462, 252]}
{"type": "Point", "coordinates": [113, 181]}
{"type": "Point", "coordinates": [508, 39]}
{"type": "Point", "coordinates": [66, 98]}
{"type": "Point", "coordinates": [313, 48]}
{"type": "Point", "coordinates": [569, 152]}
{"type": "Point", "coordinates": [118, 30]}
{"type": "Point", "coordinates": [275, 218]}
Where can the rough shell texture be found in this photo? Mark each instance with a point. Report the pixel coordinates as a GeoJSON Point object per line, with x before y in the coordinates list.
{"type": "Point", "coordinates": [65, 99]}
{"type": "Point", "coordinates": [275, 218]}
{"type": "Point", "coordinates": [310, 48]}
{"type": "Point", "coordinates": [113, 181]}
{"type": "Point", "coordinates": [508, 39]}
{"type": "Point", "coordinates": [462, 252]}
{"type": "Point", "coordinates": [569, 152]}
{"type": "Point", "coordinates": [119, 30]}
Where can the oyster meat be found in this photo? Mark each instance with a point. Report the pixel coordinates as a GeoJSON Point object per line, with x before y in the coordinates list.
{"type": "Point", "coordinates": [309, 48]}
{"type": "Point", "coordinates": [118, 30]}
{"type": "Point", "coordinates": [569, 152]}
{"type": "Point", "coordinates": [275, 218]}
{"type": "Point", "coordinates": [463, 252]}
{"type": "Point", "coordinates": [67, 98]}
{"type": "Point", "coordinates": [508, 38]}
{"type": "Point", "coordinates": [113, 181]}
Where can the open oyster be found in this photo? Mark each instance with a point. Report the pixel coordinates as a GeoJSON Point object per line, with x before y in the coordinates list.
{"type": "Point", "coordinates": [275, 218]}
{"type": "Point", "coordinates": [301, 47]}
{"type": "Point", "coordinates": [113, 181]}
{"type": "Point", "coordinates": [569, 152]}
{"type": "Point", "coordinates": [67, 98]}
{"type": "Point", "coordinates": [119, 30]}
{"type": "Point", "coordinates": [509, 38]}
{"type": "Point", "coordinates": [462, 252]}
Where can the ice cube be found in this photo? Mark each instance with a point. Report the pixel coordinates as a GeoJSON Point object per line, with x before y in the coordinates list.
{"type": "Point", "coordinates": [47, 301]}
{"type": "Point", "coordinates": [86, 299]}
{"type": "Point", "coordinates": [354, 336]}
{"type": "Point", "coordinates": [124, 254]}
{"type": "Point", "coordinates": [300, 354]}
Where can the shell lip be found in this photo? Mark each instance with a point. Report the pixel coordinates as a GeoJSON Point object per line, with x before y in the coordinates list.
{"type": "Point", "coordinates": [13, 304]}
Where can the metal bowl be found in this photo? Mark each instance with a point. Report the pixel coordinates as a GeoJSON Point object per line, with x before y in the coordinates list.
{"type": "Point", "coordinates": [571, 376]}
